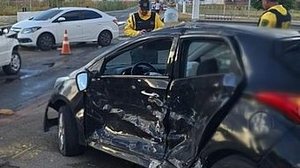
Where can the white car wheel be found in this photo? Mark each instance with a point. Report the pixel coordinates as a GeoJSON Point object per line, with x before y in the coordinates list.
{"type": "Point", "coordinates": [104, 38]}
{"type": "Point", "coordinates": [15, 64]}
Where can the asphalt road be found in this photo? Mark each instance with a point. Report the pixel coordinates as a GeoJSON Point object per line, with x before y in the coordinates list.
{"type": "Point", "coordinates": [23, 99]}
{"type": "Point", "coordinates": [22, 141]}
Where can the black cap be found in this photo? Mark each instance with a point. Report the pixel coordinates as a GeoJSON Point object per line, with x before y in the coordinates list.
{"type": "Point", "coordinates": [144, 4]}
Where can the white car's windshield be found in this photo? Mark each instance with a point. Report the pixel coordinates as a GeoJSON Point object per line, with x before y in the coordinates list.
{"type": "Point", "coordinates": [47, 14]}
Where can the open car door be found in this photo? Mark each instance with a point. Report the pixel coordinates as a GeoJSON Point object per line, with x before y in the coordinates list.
{"type": "Point", "coordinates": [126, 108]}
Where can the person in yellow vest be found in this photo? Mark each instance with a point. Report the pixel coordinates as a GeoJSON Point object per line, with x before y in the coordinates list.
{"type": "Point", "coordinates": [142, 21]}
{"type": "Point", "coordinates": [275, 16]}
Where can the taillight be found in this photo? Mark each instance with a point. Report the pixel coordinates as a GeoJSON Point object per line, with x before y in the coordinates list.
{"type": "Point", "coordinates": [115, 21]}
{"type": "Point", "coordinates": [288, 104]}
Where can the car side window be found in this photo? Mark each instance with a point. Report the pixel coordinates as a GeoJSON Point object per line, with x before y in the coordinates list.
{"type": "Point", "coordinates": [90, 14]}
{"type": "Point", "coordinates": [146, 55]}
{"type": "Point", "coordinates": [72, 16]}
{"type": "Point", "coordinates": [204, 57]}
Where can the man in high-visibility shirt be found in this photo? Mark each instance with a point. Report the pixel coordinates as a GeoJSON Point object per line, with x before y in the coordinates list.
{"type": "Point", "coordinates": [142, 21]}
{"type": "Point", "coordinates": [275, 16]}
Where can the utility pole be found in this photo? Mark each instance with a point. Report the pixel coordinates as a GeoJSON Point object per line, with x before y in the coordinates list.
{"type": "Point", "coordinates": [195, 10]}
{"type": "Point", "coordinates": [249, 7]}
{"type": "Point", "coordinates": [30, 5]}
{"type": "Point", "coordinates": [184, 6]}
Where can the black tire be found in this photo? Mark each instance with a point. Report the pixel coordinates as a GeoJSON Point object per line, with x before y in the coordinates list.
{"type": "Point", "coordinates": [67, 134]}
{"type": "Point", "coordinates": [14, 65]}
{"type": "Point", "coordinates": [45, 41]}
{"type": "Point", "coordinates": [234, 161]}
{"type": "Point", "coordinates": [104, 38]}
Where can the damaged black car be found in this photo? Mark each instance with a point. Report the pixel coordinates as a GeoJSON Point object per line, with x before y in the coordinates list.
{"type": "Point", "coordinates": [194, 95]}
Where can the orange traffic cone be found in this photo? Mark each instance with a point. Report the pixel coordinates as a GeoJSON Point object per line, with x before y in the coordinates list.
{"type": "Point", "coordinates": [65, 50]}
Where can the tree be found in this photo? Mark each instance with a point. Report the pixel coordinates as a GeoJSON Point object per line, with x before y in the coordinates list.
{"type": "Point", "coordinates": [289, 4]}
{"type": "Point", "coordinates": [55, 3]}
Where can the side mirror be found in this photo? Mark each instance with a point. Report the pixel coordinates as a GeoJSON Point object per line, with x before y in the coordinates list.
{"type": "Point", "coordinates": [82, 81]}
{"type": "Point", "coordinates": [61, 19]}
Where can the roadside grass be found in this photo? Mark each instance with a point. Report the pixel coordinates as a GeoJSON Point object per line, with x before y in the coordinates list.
{"type": "Point", "coordinates": [235, 12]}
{"type": "Point", "coordinates": [8, 9]}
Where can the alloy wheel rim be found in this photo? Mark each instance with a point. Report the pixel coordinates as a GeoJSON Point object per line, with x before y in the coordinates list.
{"type": "Point", "coordinates": [15, 62]}
{"type": "Point", "coordinates": [105, 38]}
{"type": "Point", "coordinates": [47, 41]}
{"type": "Point", "coordinates": [61, 132]}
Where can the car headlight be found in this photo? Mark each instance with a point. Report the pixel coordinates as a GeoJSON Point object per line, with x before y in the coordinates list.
{"type": "Point", "coordinates": [30, 30]}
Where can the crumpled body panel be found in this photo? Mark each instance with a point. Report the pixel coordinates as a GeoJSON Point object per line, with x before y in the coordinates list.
{"type": "Point", "coordinates": [129, 115]}
{"type": "Point", "coordinates": [193, 104]}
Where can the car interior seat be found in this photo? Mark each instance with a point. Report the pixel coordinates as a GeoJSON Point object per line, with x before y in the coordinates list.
{"type": "Point", "coordinates": [144, 55]}
{"type": "Point", "coordinates": [192, 68]}
{"type": "Point", "coordinates": [209, 66]}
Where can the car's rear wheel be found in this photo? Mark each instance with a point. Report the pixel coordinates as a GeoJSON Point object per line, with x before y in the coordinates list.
{"type": "Point", "coordinates": [68, 143]}
{"type": "Point", "coordinates": [234, 161]}
{"type": "Point", "coordinates": [14, 65]}
{"type": "Point", "coordinates": [45, 41]}
{"type": "Point", "coordinates": [104, 38]}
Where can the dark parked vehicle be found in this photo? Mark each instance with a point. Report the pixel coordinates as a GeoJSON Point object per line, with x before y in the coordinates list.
{"type": "Point", "coordinates": [195, 95]}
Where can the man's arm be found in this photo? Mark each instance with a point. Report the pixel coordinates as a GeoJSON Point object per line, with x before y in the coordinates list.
{"type": "Point", "coordinates": [129, 27]}
{"type": "Point", "coordinates": [268, 20]}
{"type": "Point", "coordinates": [158, 22]}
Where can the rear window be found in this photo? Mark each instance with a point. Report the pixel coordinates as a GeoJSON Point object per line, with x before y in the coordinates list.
{"type": "Point", "coordinates": [91, 14]}
{"type": "Point", "coordinates": [47, 15]}
{"type": "Point", "coordinates": [291, 55]}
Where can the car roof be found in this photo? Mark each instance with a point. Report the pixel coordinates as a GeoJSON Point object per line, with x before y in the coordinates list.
{"type": "Point", "coordinates": [228, 28]}
{"type": "Point", "coordinates": [73, 8]}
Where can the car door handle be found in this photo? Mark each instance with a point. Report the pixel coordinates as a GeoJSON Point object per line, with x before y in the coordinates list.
{"type": "Point", "coordinates": [151, 95]}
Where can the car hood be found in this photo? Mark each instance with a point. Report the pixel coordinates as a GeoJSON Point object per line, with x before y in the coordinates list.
{"type": "Point", "coordinates": [30, 23]}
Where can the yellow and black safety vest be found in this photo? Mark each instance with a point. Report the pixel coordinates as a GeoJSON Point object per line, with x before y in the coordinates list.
{"type": "Point", "coordinates": [282, 21]}
{"type": "Point", "coordinates": [141, 24]}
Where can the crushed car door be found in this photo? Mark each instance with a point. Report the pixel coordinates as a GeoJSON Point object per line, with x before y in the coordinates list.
{"type": "Point", "coordinates": [126, 103]}
{"type": "Point", "coordinates": [209, 75]}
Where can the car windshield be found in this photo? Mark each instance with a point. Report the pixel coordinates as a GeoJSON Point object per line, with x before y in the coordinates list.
{"type": "Point", "coordinates": [47, 15]}
{"type": "Point", "coordinates": [291, 55]}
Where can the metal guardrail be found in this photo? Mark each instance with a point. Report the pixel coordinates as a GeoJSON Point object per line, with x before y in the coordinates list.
{"type": "Point", "coordinates": [217, 17]}
{"type": "Point", "coordinates": [294, 25]}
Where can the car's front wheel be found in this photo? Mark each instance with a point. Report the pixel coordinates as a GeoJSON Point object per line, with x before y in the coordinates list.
{"type": "Point", "coordinates": [104, 38]}
{"type": "Point", "coordinates": [45, 41]}
{"type": "Point", "coordinates": [234, 161]}
{"type": "Point", "coordinates": [14, 65]}
{"type": "Point", "coordinates": [68, 143]}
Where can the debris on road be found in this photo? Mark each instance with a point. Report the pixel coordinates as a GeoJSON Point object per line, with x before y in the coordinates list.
{"type": "Point", "coordinates": [6, 112]}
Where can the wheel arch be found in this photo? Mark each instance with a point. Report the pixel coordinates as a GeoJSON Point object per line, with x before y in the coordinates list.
{"type": "Point", "coordinates": [54, 103]}
{"type": "Point", "coordinates": [15, 48]}
{"type": "Point", "coordinates": [104, 30]}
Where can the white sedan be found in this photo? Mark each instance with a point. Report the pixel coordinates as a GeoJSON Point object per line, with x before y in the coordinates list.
{"type": "Point", "coordinates": [82, 24]}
